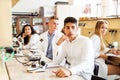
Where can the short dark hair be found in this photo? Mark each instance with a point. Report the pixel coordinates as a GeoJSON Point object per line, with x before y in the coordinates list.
{"type": "Point", "coordinates": [70, 19]}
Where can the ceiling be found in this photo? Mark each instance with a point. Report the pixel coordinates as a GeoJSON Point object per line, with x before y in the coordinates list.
{"type": "Point", "coordinates": [32, 5]}
{"type": "Point", "coordinates": [14, 2]}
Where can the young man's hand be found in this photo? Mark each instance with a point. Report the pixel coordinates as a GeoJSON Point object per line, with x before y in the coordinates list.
{"type": "Point", "coordinates": [62, 72]}
{"type": "Point", "coordinates": [62, 39]}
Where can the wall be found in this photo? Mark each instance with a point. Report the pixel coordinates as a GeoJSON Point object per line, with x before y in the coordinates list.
{"type": "Point", "coordinates": [63, 11]}
{"type": "Point", "coordinates": [112, 35]}
{"type": "Point", "coordinates": [5, 23]}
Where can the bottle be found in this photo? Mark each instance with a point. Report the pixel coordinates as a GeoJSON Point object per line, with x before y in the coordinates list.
{"type": "Point", "coordinates": [115, 44]}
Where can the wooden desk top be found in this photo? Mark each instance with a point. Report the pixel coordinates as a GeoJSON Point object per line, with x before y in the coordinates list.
{"type": "Point", "coordinates": [115, 59]}
{"type": "Point", "coordinates": [19, 72]}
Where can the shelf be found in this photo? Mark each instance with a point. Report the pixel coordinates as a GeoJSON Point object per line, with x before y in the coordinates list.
{"type": "Point", "coordinates": [95, 18]}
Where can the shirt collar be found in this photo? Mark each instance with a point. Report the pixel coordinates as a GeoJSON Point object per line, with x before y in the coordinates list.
{"type": "Point", "coordinates": [50, 35]}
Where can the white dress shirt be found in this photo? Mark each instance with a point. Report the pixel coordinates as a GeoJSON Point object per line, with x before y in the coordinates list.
{"type": "Point", "coordinates": [80, 55]}
{"type": "Point", "coordinates": [96, 45]}
{"type": "Point", "coordinates": [43, 44]}
{"type": "Point", "coordinates": [33, 43]}
{"type": "Point", "coordinates": [103, 70]}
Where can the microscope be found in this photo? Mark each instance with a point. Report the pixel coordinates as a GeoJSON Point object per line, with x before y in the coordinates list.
{"type": "Point", "coordinates": [37, 65]}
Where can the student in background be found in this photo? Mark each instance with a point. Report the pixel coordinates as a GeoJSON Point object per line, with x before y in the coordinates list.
{"type": "Point", "coordinates": [77, 50]}
{"type": "Point", "coordinates": [30, 37]}
{"type": "Point", "coordinates": [48, 39]}
{"type": "Point", "coordinates": [100, 49]}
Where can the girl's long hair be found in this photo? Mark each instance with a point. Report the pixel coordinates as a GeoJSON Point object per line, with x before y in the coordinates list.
{"type": "Point", "coordinates": [97, 32]}
{"type": "Point", "coordinates": [27, 38]}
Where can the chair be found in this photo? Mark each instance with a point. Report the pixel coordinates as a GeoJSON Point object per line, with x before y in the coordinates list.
{"type": "Point", "coordinates": [95, 76]}
{"type": "Point", "coordinates": [96, 69]}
